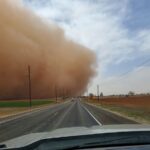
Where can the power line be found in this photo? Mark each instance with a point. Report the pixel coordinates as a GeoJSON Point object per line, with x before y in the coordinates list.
{"type": "Point", "coordinates": [140, 65]}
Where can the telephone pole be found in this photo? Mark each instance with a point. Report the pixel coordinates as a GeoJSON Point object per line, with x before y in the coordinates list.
{"type": "Point", "coordinates": [98, 92]}
{"type": "Point", "coordinates": [64, 94]}
{"type": "Point", "coordinates": [87, 94]}
{"type": "Point", "coordinates": [56, 93]}
{"type": "Point", "coordinates": [29, 79]}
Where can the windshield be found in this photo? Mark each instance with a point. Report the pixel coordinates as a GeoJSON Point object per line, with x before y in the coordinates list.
{"type": "Point", "coordinates": [66, 63]}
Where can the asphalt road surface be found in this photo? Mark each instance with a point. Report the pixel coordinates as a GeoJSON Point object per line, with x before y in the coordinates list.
{"type": "Point", "coordinates": [69, 114]}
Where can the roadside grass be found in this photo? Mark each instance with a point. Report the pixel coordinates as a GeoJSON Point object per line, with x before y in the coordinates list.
{"type": "Point", "coordinates": [133, 107]}
{"type": "Point", "coordinates": [25, 103]}
{"type": "Point", "coordinates": [140, 114]}
{"type": "Point", "coordinates": [13, 107]}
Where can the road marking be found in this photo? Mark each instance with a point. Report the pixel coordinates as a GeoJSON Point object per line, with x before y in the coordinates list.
{"type": "Point", "coordinates": [91, 115]}
{"type": "Point", "coordinates": [64, 115]}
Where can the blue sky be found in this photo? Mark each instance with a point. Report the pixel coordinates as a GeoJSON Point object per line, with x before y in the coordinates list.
{"type": "Point", "coordinates": [139, 14]}
{"type": "Point", "coordinates": [117, 31]}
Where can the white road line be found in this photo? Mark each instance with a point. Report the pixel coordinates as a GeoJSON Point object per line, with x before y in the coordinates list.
{"type": "Point", "coordinates": [91, 115]}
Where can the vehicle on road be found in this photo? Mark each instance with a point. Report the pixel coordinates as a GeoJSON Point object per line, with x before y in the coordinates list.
{"type": "Point", "coordinates": [109, 137]}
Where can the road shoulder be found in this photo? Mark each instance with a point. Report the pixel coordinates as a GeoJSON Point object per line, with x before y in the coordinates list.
{"type": "Point", "coordinates": [113, 112]}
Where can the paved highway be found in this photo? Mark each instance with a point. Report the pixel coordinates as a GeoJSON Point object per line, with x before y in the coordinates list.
{"type": "Point", "coordinates": [68, 114]}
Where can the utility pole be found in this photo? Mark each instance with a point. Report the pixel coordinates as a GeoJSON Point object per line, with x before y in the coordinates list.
{"type": "Point", "coordinates": [29, 79]}
{"type": "Point", "coordinates": [56, 93]}
{"type": "Point", "coordinates": [64, 94]}
{"type": "Point", "coordinates": [87, 95]}
{"type": "Point", "coordinates": [98, 92]}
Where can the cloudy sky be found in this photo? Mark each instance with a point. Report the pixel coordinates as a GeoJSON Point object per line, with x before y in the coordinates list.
{"type": "Point", "coordinates": [118, 31]}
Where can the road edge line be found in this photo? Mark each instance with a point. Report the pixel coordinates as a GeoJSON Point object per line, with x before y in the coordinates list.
{"type": "Point", "coordinates": [91, 115]}
{"type": "Point", "coordinates": [114, 112]}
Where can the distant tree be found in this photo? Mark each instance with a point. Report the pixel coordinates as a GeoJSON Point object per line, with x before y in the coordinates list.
{"type": "Point", "coordinates": [126, 95]}
{"type": "Point", "coordinates": [131, 93]}
{"type": "Point", "coordinates": [101, 95]}
{"type": "Point", "coordinates": [91, 95]}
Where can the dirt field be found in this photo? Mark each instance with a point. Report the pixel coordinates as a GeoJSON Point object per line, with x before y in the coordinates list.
{"type": "Point", "coordinates": [134, 101]}
{"type": "Point", "coordinates": [136, 107]}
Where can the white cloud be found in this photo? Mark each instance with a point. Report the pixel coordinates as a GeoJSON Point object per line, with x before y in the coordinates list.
{"type": "Point", "coordinates": [137, 81]}
{"type": "Point", "coordinates": [143, 40]}
{"type": "Point", "coordinates": [98, 24]}
{"type": "Point", "coordinates": [95, 25]}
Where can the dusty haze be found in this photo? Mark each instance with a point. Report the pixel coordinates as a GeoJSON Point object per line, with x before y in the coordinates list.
{"type": "Point", "coordinates": [57, 64]}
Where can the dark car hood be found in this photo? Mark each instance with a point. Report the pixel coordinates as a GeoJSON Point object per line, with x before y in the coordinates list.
{"type": "Point", "coordinates": [73, 131]}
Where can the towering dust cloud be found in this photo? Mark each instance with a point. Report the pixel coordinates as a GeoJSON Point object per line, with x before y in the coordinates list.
{"type": "Point", "coordinates": [57, 64]}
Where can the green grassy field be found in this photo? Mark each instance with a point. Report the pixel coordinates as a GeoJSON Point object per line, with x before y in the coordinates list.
{"type": "Point", "coordinates": [24, 103]}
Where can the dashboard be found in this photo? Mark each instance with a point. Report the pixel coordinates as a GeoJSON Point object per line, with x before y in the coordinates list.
{"type": "Point", "coordinates": [137, 147]}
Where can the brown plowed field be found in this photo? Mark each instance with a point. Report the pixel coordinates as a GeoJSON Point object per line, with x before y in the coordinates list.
{"type": "Point", "coordinates": [132, 101]}
{"type": "Point", "coordinates": [135, 107]}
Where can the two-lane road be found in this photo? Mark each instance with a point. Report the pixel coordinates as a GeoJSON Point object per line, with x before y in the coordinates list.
{"type": "Point", "coordinates": [70, 114]}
